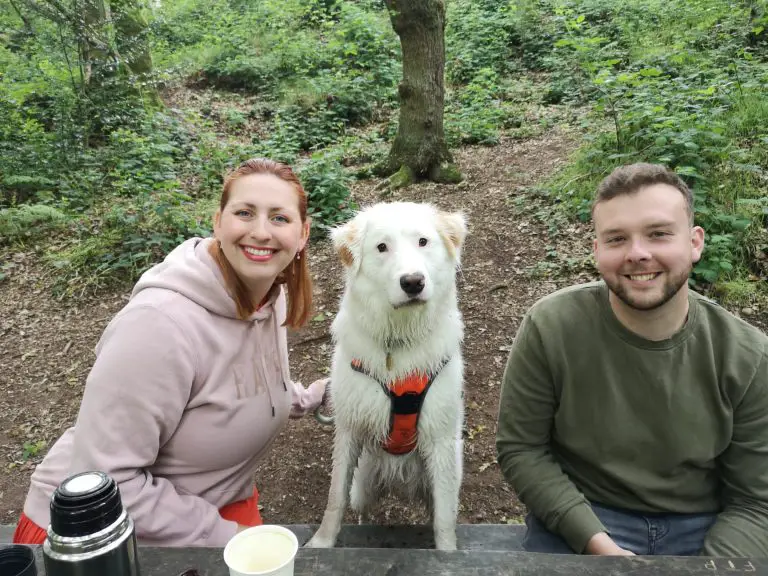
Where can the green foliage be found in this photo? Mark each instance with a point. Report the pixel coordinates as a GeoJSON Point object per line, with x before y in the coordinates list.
{"type": "Point", "coordinates": [118, 242]}
{"type": "Point", "coordinates": [261, 46]}
{"type": "Point", "coordinates": [120, 180]}
{"type": "Point", "coordinates": [30, 221]}
{"type": "Point", "coordinates": [476, 113]}
{"type": "Point", "coordinates": [319, 114]}
{"type": "Point", "coordinates": [676, 83]}
{"type": "Point", "coordinates": [328, 194]}
{"type": "Point", "coordinates": [479, 35]}
{"type": "Point", "coordinates": [31, 449]}
{"type": "Point", "coordinates": [145, 214]}
{"type": "Point", "coordinates": [736, 292]}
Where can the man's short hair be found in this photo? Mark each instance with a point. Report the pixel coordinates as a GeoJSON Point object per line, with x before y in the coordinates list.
{"type": "Point", "coordinates": [629, 179]}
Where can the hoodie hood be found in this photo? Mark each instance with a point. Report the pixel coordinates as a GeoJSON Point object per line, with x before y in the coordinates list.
{"type": "Point", "coordinates": [191, 271]}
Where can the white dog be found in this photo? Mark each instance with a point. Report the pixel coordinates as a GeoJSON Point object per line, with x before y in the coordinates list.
{"type": "Point", "coordinates": [397, 375]}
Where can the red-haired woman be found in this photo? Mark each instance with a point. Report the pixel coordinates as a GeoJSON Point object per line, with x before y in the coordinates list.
{"type": "Point", "coordinates": [191, 382]}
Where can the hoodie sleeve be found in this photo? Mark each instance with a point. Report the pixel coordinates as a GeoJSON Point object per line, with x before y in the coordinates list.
{"type": "Point", "coordinates": [134, 398]}
{"type": "Point", "coordinates": [303, 400]}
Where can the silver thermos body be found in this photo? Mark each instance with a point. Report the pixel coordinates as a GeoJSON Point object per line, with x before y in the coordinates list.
{"type": "Point", "coordinates": [90, 534]}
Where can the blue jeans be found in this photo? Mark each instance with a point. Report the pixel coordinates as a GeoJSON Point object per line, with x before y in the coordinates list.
{"type": "Point", "coordinates": [647, 534]}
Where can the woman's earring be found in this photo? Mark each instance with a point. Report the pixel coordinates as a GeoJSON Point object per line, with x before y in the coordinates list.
{"type": "Point", "coordinates": [298, 255]}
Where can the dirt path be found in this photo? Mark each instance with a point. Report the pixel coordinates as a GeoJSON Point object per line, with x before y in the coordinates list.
{"type": "Point", "coordinates": [46, 346]}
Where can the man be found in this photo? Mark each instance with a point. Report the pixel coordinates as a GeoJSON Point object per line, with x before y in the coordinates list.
{"type": "Point", "coordinates": [634, 412]}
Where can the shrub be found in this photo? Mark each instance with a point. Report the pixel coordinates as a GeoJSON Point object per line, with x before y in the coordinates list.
{"type": "Point", "coordinates": [30, 221]}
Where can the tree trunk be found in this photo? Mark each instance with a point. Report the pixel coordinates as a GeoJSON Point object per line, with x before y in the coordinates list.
{"type": "Point", "coordinates": [96, 56]}
{"type": "Point", "coordinates": [419, 149]}
{"type": "Point", "coordinates": [131, 38]}
{"type": "Point", "coordinates": [131, 29]}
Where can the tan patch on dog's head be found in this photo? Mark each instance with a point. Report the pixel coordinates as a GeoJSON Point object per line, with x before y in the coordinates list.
{"type": "Point", "coordinates": [345, 255]}
{"type": "Point", "coordinates": [452, 227]}
{"type": "Point", "coordinates": [346, 241]}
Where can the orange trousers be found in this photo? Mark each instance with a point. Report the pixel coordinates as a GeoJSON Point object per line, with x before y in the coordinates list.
{"type": "Point", "coordinates": [245, 512]}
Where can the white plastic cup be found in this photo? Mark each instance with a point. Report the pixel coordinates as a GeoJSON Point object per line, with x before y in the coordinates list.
{"type": "Point", "coordinates": [266, 550]}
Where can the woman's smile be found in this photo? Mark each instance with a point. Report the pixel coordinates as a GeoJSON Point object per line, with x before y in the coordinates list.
{"type": "Point", "coordinates": [258, 254]}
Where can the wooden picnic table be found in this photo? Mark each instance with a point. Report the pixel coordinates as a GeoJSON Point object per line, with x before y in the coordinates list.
{"type": "Point", "coordinates": [484, 550]}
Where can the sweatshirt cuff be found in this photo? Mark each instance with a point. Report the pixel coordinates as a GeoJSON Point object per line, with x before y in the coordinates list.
{"type": "Point", "coordinates": [222, 532]}
{"type": "Point", "coordinates": [578, 525]}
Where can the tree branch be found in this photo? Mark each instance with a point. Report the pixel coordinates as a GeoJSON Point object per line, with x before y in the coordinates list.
{"type": "Point", "coordinates": [52, 10]}
{"type": "Point", "coordinates": [27, 23]}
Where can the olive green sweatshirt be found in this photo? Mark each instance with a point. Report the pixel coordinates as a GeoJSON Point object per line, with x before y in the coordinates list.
{"type": "Point", "coordinates": [592, 412]}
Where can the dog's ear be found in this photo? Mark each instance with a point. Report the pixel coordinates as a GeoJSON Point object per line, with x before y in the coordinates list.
{"type": "Point", "coordinates": [347, 241]}
{"type": "Point", "coordinates": [453, 230]}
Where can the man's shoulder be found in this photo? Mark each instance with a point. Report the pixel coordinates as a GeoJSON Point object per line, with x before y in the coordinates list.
{"type": "Point", "coordinates": [570, 300]}
{"type": "Point", "coordinates": [729, 327]}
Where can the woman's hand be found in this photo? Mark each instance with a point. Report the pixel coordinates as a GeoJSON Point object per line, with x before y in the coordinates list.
{"type": "Point", "coordinates": [309, 399]}
{"type": "Point", "coordinates": [317, 385]}
{"type": "Point", "coordinates": [603, 545]}
{"type": "Point", "coordinates": [326, 385]}
{"type": "Point", "coordinates": [320, 416]}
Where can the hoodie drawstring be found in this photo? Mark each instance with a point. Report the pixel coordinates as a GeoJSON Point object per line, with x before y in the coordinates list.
{"type": "Point", "coordinates": [263, 367]}
{"type": "Point", "coordinates": [269, 392]}
{"type": "Point", "coordinates": [276, 330]}
{"type": "Point", "coordinates": [280, 363]}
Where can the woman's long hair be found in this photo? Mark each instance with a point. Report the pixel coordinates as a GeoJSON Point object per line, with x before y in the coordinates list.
{"type": "Point", "coordinates": [296, 277]}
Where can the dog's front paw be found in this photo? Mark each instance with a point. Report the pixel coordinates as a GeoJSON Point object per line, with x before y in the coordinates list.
{"type": "Point", "coordinates": [319, 541]}
{"type": "Point", "coordinates": [445, 542]}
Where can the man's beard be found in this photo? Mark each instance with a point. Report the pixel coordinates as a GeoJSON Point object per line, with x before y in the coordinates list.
{"type": "Point", "coordinates": [671, 287]}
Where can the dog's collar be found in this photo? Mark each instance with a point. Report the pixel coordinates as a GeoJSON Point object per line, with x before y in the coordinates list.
{"type": "Point", "coordinates": [393, 344]}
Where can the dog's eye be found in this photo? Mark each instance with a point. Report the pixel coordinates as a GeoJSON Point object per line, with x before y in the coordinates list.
{"type": "Point", "coordinates": [422, 241]}
{"type": "Point", "coordinates": [381, 247]}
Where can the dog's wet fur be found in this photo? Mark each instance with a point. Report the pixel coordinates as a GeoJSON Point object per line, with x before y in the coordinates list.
{"type": "Point", "coordinates": [398, 314]}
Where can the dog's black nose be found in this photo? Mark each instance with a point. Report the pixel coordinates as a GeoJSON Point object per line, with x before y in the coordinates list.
{"type": "Point", "coordinates": [412, 284]}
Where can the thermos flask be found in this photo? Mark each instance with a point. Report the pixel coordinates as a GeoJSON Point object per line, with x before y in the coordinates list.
{"type": "Point", "coordinates": [90, 534]}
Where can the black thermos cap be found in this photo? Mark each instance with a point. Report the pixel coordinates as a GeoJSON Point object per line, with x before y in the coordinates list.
{"type": "Point", "coordinates": [17, 560]}
{"type": "Point", "coordinates": [85, 503]}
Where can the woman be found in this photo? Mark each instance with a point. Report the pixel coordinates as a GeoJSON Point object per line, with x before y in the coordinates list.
{"type": "Point", "coordinates": [191, 383]}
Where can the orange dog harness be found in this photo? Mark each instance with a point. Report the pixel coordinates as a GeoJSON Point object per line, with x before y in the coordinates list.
{"type": "Point", "coordinates": [407, 396]}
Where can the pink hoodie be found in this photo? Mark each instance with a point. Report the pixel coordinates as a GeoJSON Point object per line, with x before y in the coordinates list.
{"type": "Point", "coordinates": [182, 402]}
